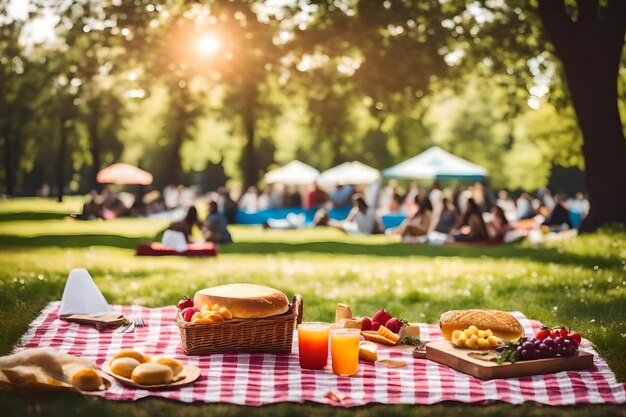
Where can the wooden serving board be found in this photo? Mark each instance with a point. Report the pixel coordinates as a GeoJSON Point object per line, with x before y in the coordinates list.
{"type": "Point", "coordinates": [446, 353]}
{"type": "Point", "coordinates": [100, 322]}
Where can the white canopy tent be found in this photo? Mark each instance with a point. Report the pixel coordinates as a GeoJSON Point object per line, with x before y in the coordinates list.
{"type": "Point", "coordinates": [350, 173]}
{"type": "Point", "coordinates": [294, 173]}
{"type": "Point", "coordinates": [435, 163]}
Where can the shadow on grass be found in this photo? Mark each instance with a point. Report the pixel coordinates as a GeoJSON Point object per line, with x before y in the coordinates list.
{"type": "Point", "coordinates": [72, 241]}
{"type": "Point", "coordinates": [32, 216]}
{"type": "Point", "coordinates": [509, 251]}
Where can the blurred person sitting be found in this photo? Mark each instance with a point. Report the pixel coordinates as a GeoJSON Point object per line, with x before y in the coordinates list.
{"type": "Point", "coordinates": [413, 192]}
{"type": "Point", "coordinates": [263, 201]}
{"type": "Point", "coordinates": [215, 228]}
{"type": "Point", "coordinates": [292, 198]}
{"type": "Point", "coordinates": [559, 216]}
{"type": "Point", "coordinates": [185, 226]}
{"type": "Point", "coordinates": [92, 209]}
{"type": "Point", "coordinates": [361, 219]}
{"type": "Point", "coordinates": [507, 204]}
{"type": "Point", "coordinates": [341, 195]}
{"type": "Point", "coordinates": [112, 206]}
{"type": "Point", "coordinates": [470, 227]}
{"type": "Point", "coordinates": [447, 218]}
{"type": "Point", "coordinates": [276, 197]}
{"type": "Point", "coordinates": [316, 197]}
{"type": "Point", "coordinates": [499, 225]}
{"type": "Point", "coordinates": [525, 208]}
{"type": "Point", "coordinates": [419, 223]}
{"type": "Point", "coordinates": [227, 205]}
{"type": "Point", "coordinates": [249, 199]}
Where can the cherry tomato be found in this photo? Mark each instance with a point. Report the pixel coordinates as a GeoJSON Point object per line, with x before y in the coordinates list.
{"type": "Point", "coordinates": [184, 303]}
{"type": "Point", "coordinates": [555, 333]}
{"type": "Point", "coordinates": [563, 332]}
{"type": "Point", "coordinates": [542, 334]}
{"type": "Point", "coordinates": [575, 336]}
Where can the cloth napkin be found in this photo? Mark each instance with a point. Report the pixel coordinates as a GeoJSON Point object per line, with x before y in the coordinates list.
{"type": "Point", "coordinates": [82, 296]}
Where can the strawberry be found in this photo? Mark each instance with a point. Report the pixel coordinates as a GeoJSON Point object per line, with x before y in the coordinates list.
{"type": "Point", "coordinates": [375, 325]}
{"type": "Point", "coordinates": [366, 323]}
{"type": "Point", "coordinates": [395, 324]}
{"type": "Point", "coordinates": [382, 316]}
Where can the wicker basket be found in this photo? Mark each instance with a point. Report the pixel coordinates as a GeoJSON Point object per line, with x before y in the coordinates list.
{"type": "Point", "coordinates": [268, 335]}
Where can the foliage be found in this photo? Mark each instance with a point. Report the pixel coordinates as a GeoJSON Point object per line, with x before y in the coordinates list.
{"type": "Point", "coordinates": [322, 81]}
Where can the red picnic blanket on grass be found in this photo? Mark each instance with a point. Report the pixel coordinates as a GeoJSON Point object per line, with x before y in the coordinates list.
{"type": "Point", "coordinates": [193, 250]}
{"type": "Point", "coordinates": [257, 379]}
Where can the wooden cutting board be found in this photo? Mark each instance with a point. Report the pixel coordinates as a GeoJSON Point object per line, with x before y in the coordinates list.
{"type": "Point", "coordinates": [100, 322]}
{"type": "Point", "coordinates": [444, 352]}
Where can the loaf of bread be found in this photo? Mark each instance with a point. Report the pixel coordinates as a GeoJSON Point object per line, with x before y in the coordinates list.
{"type": "Point", "coordinates": [152, 374]}
{"type": "Point", "coordinates": [244, 300]}
{"type": "Point", "coordinates": [130, 353]}
{"type": "Point", "coordinates": [501, 323]}
{"type": "Point", "coordinates": [174, 364]}
{"type": "Point", "coordinates": [87, 379]}
{"type": "Point", "coordinates": [124, 366]}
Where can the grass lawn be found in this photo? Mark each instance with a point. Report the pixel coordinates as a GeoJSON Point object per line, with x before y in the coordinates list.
{"type": "Point", "coordinates": [579, 283]}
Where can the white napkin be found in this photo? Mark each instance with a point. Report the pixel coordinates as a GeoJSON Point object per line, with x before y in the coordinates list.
{"type": "Point", "coordinates": [174, 240]}
{"type": "Point", "coordinates": [82, 296]}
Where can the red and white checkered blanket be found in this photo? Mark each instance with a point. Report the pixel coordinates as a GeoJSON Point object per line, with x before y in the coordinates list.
{"type": "Point", "coordinates": [256, 379]}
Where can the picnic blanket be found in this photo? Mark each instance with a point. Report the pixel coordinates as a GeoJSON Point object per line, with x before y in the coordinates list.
{"type": "Point", "coordinates": [257, 379]}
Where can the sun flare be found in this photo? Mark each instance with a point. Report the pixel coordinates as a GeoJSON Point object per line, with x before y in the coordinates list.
{"type": "Point", "coordinates": [208, 44]}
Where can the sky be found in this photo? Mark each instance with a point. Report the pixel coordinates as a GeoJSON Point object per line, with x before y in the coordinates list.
{"type": "Point", "coordinates": [39, 30]}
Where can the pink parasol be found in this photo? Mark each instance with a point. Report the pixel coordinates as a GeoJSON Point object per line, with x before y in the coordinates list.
{"type": "Point", "coordinates": [122, 173]}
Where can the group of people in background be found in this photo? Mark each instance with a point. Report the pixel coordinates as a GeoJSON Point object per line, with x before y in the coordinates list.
{"type": "Point", "coordinates": [454, 214]}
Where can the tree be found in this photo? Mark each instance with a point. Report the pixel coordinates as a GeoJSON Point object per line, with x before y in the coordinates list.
{"type": "Point", "coordinates": [590, 50]}
{"type": "Point", "coordinates": [415, 46]}
{"type": "Point", "coordinates": [22, 82]}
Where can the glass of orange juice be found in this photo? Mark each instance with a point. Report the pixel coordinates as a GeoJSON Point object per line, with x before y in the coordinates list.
{"type": "Point", "coordinates": [313, 345]}
{"type": "Point", "coordinates": [344, 350]}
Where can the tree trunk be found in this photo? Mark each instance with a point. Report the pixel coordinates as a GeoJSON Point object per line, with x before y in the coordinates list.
{"type": "Point", "coordinates": [61, 158]}
{"type": "Point", "coordinates": [590, 50]}
{"type": "Point", "coordinates": [8, 163]}
{"type": "Point", "coordinates": [248, 166]}
{"type": "Point", "coordinates": [94, 140]}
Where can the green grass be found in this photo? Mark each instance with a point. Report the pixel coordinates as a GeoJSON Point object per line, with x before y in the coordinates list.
{"type": "Point", "coordinates": [580, 283]}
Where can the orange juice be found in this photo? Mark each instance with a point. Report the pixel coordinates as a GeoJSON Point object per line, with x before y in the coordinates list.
{"type": "Point", "coordinates": [344, 350]}
{"type": "Point", "coordinates": [313, 345]}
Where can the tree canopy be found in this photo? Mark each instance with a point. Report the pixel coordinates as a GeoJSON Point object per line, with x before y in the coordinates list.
{"type": "Point", "coordinates": [194, 90]}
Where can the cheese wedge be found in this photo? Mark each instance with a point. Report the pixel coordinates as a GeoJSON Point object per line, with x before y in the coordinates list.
{"type": "Point", "coordinates": [373, 336]}
{"type": "Point", "coordinates": [350, 323]}
{"type": "Point", "coordinates": [368, 351]}
{"type": "Point", "coordinates": [410, 330]}
{"type": "Point", "coordinates": [388, 334]}
{"type": "Point", "coordinates": [343, 312]}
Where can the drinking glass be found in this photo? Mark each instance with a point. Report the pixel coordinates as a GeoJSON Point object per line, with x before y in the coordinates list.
{"type": "Point", "coordinates": [344, 350]}
{"type": "Point", "coordinates": [313, 345]}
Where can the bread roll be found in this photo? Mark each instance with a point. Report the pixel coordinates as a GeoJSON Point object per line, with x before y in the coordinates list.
{"type": "Point", "coordinates": [130, 353]}
{"type": "Point", "coordinates": [87, 379]}
{"type": "Point", "coordinates": [152, 374]}
{"type": "Point", "coordinates": [174, 364]}
{"type": "Point", "coordinates": [244, 300]}
{"type": "Point", "coordinates": [501, 323]}
{"type": "Point", "coordinates": [124, 366]}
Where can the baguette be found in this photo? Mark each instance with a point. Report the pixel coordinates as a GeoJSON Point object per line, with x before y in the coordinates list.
{"type": "Point", "coordinates": [501, 323]}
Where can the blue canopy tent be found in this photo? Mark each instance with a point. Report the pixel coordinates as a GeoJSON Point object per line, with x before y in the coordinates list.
{"type": "Point", "coordinates": [435, 163]}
